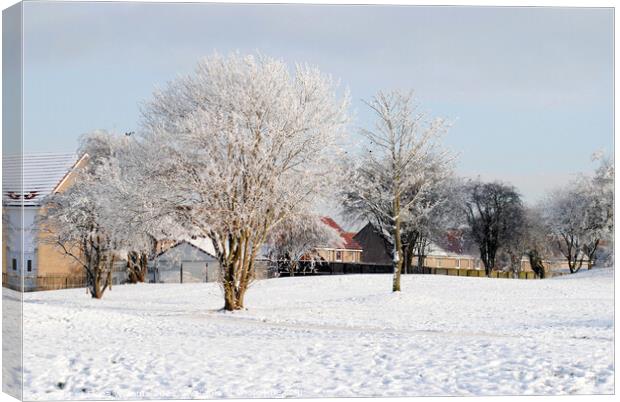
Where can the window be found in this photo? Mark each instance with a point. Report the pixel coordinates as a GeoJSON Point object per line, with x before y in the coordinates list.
{"type": "Point", "coordinates": [458, 263]}
{"type": "Point", "coordinates": [14, 263]}
{"type": "Point", "coordinates": [338, 255]}
{"type": "Point", "coordinates": [29, 265]}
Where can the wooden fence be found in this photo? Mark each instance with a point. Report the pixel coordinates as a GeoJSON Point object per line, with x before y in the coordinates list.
{"type": "Point", "coordinates": [55, 281]}
{"type": "Point", "coordinates": [31, 283]}
{"type": "Point", "coordinates": [477, 273]}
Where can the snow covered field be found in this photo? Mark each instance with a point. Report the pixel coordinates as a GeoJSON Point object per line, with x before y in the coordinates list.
{"type": "Point", "coordinates": [324, 336]}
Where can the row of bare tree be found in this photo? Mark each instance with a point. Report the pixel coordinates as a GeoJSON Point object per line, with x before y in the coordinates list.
{"type": "Point", "coordinates": [404, 185]}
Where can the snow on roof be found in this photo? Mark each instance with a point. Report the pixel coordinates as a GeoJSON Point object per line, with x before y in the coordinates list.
{"type": "Point", "coordinates": [203, 243]}
{"type": "Point", "coordinates": [347, 237]}
{"type": "Point", "coordinates": [174, 252]}
{"type": "Point", "coordinates": [434, 250]}
{"type": "Point", "coordinates": [42, 173]}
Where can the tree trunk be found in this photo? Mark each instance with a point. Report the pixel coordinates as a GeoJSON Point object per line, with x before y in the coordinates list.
{"type": "Point", "coordinates": [136, 266]}
{"type": "Point", "coordinates": [96, 290]}
{"type": "Point", "coordinates": [572, 252]}
{"type": "Point", "coordinates": [536, 263]}
{"type": "Point", "coordinates": [421, 259]}
{"type": "Point", "coordinates": [398, 250]}
{"type": "Point", "coordinates": [230, 299]}
{"type": "Point", "coordinates": [101, 277]}
{"type": "Point", "coordinates": [143, 267]}
{"type": "Point", "coordinates": [236, 254]}
{"type": "Point", "coordinates": [230, 288]}
{"type": "Point", "coordinates": [234, 295]}
{"type": "Point", "coordinates": [515, 264]}
{"type": "Point", "coordinates": [409, 254]}
{"type": "Point", "coordinates": [590, 251]}
{"type": "Point", "coordinates": [238, 273]}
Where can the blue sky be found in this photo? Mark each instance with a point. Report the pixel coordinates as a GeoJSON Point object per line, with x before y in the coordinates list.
{"type": "Point", "coordinates": [529, 90]}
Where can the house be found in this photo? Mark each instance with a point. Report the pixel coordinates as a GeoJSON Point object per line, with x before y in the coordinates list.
{"type": "Point", "coordinates": [377, 251]}
{"type": "Point", "coordinates": [348, 251]}
{"type": "Point", "coordinates": [451, 255]}
{"type": "Point", "coordinates": [26, 180]}
{"type": "Point", "coordinates": [376, 248]}
{"type": "Point", "coordinates": [185, 261]}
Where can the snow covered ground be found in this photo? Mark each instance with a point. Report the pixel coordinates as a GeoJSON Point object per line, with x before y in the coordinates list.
{"type": "Point", "coordinates": [324, 336]}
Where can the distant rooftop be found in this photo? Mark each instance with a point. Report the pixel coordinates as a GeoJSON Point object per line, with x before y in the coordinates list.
{"type": "Point", "coordinates": [42, 172]}
{"type": "Point", "coordinates": [347, 237]}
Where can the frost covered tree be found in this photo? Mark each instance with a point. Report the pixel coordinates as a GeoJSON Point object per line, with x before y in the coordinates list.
{"type": "Point", "coordinates": [72, 221]}
{"type": "Point", "coordinates": [580, 216]}
{"type": "Point", "coordinates": [78, 220]}
{"type": "Point", "coordinates": [235, 148]}
{"type": "Point", "coordinates": [97, 221]}
{"type": "Point", "coordinates": [119, 166]}
{"type": "Point", "coordinates": [297, 237]}
{"type": "Point", "coordinates": [566, 216]}
{"type": "Point", "coordinates": [601, 208]}
{"type": "Point", "coordinates": [492, 211]}
{"type": "Point", "coordinates": [394, 177]}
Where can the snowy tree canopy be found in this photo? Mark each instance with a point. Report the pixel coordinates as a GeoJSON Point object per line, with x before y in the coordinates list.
{"type": "Point", "coordinates": [580, 215]}
{"type": "Point", "coordinates": [83, 220]}
{"type": "Point", "coordinates": [236, 147]}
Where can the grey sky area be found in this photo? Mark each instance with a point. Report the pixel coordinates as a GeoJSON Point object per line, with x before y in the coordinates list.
{"type": "Point", "coordinates": [529, 90]}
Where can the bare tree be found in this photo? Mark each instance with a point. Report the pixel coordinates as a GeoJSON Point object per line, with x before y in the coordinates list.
{"type": "Point", "coordinates": [297, 238]}
{"type": "Point", "coordinates": [492, 211]}
{"type": "Point", "coordinates": [430, 219]}
{"type": "Point", "coordinates": [537, 242]}
{"type": "Point", "coordinates": [515, 243]}
{"type": "Point", "coordinates": [403, 161]}
{"type": "Point", "coordinates": [527, 237]}
{"type": "Point", "coordinates": [565, 215]}
{"type": "Point", "coordinates": [235, 148]}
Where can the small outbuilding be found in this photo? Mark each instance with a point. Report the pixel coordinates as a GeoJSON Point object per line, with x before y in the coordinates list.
{"type": "Point", "coordinates": [187, 261]}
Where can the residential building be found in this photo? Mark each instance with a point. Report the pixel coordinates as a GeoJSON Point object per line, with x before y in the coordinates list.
{"type": "Point", "coordinates": [377, 251]}
{"type": "Point", "coordinates": [348, 250]}
{"type": "Point", "coordinates": [376, 248]}
{"type": "Point", "coordinates": [28, 256]}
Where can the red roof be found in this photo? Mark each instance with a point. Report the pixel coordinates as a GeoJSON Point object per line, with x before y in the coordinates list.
{"type": "Point", "coordinates": [347, 237]}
